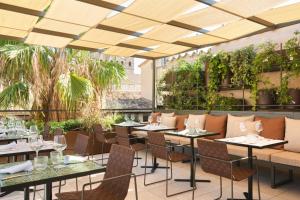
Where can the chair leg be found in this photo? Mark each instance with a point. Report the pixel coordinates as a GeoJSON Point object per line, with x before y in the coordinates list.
{"type": "Point", "coordinates": [258, 184]}
{"type": "Point", "coordinates": [76, 180]}
{"type": "Point", "coordinates": [59, 187]}
{"type": "Point", "coordinates": [221, 189]}
{"type": "Point", "coordinates": [90, 179]}
{"type": "Point", "coordinates": [135, 187]}
{"type": "Point", "coordinates": [34, 192]}
{"type": "Point", "coordinates": [232, 188]}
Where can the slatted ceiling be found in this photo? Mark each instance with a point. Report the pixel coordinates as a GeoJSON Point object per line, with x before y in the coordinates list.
{"type": "Point", "coordinates": [38, 5]}
{"type": "Point", "coordinates": [129, 22]}
{"type": "Point", "coordinates": [120, 51]}
{"type": "Point", "coordinates": [117, 2]}
{"type": "Point", "coordinates": [13, 32]}
{"type": "Point", "coordinates": [76, 12]}
{"type": "Point", "coordinates": [102, 36]}
{"type": "Point", "coordinates": [167, 33]}
{"type": "Point", "coordinates": [237, 29]}
{"type": "Point", "coordinates": [151, 54]}
{"type": "Point", "coordinates": [202, 40]}
{"type": "Point", "coordinates": [282, 14]}
{"type": "Point", "coordinates": [170, 49]}
{"type": "Point", "coordinates": [204, 18]}
{"type": "Point", "coordinates": [142, 42]}
{"type": "Point", "coordinates": [160, 10]}
{"type": "Point", "coordinates": [248, 8]}
{"type": "Point", "coordinates": [47, 40]}
{"type": "Point", "coordinates": [87, 44]}
{"type": "Point", "coordinates": [64, 27]}
{"type": "Point", "coordinates": [16, 20]}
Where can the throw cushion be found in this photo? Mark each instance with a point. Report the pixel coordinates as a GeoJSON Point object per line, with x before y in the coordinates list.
{"type": "Point", "coordinates": [196, 121]}
{"type": "Point", "coordinates": [168, 114]}
{"type": "Point", "coordinates": [168, 121]}
{"type": "Point", "coordinates": [180, 122]}
{"type": "Point", "coordinates": [292, 135]}
{"type": "Point", "coordinates": [233, 125]}
{"type": "Point", "coordinates": [217, 124]}
{"type": "Point", "coordinates": [273, 128]}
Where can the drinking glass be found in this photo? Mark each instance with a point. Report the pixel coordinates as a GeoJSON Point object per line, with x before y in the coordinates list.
{"type": "Point", "coordinates": [33, 129]}
{"type": "Point", "coordinates": [132, 117]}
{"type": "Point", "coordinates": [60, 144]}
{"type": "Point", "coordinates": [126, 118]}
{"type": "Point", "coordinates": [187, 123]}
{"type": "Point", "coordinates": [150, 119]}
{"type": "Point", "coordinates": [36, 143]}
{"type": "Point", "coordinates": [158, 120]}
{"type": "Point", "coordinates": [40, 162]}
{"type": "Point", "coordinates": [55, 158]}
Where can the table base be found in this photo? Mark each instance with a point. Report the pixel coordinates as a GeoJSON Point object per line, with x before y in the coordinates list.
{"type": "Point", "coordinates": [246, 197]}
{"type": "Point", "coordinates": [154, 167]}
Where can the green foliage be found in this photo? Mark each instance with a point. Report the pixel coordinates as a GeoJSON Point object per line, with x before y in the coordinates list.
{"type": "Point", "coordinates": [228, 103]}
{"type": "Point", "coordinates": [108, 120]}
{"type": "Point", "coordinates": [74, 89]}
{"type": "Point", "coordinates": [218, 69]}
{"type": "Point", "coordinates": [15, 94]}
{"type": "Point", "coordinates": [68, 125]}
{"type": "Point", "coordinates": [183, 87]}
{"type": "Point", "coordinates": [38, 123]}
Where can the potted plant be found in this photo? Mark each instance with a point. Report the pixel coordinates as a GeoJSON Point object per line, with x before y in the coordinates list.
{"type": "Point", "coordinates": [266, 98]}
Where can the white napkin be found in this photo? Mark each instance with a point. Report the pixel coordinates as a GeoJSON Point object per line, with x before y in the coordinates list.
{"type": "Point", "coordinates": [2, 135]}
{"type": "Point", "coordinates": [8, 146]}
{"type": "Point", "coordinates": [26, 166]}
{"type": "Point", "coordinates": [74, 159]}
{"type": "Point", "coordinates": [184, 132]}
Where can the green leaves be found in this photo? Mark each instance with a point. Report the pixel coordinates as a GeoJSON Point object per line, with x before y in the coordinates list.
{"type": "Point", "coordinates": [16, 94]}
{"type": "Point", "coordinates": [74, 89]}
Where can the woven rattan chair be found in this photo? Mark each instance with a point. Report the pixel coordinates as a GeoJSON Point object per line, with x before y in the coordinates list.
{"type": "Point", "coordinates": [103, 139]}
{"type": "Point", "coordinates": [81, 149]}
{"type": "Point", "coordinates": [116, 180]}
{"type": "Point", "coordinates": [214, 159]}
{"type": "Point", "coordinates": [160, 148]}
{"type": "Point", "coordinates": [124, 138]}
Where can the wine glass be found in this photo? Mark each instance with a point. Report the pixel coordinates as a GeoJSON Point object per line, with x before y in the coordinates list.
{"type": "Point", "coordinates": [187, 123]}
{"type": "Point", "coordinates": [150, 119]}
{"type": "Point", "coordinates": [60, 144]}
{"type": "Point", "coordinates": [132, 117]}
{"type": "Point", "coordinates": [126, 118]}
{"type": "Point", "coordinates": [33, 129]}
{"type": "Point", "coordinates": [36, 143]}
{"type": "Point", "coordinates": [158, 120]}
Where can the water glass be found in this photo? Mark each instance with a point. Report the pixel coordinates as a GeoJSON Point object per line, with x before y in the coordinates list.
{"type": "Point", "coordinates": [132, 117]}
{"type": "Point", "coordinates": [40, 162]}
{"type": "Point", "coordinates": [55, 157]}
{"type": "Point", "coordinates": [60, 143]}
{"type": "Point", "coordinates": [33, 129]}
{"type": "Point", "coordinates": [126, 118]}
{"type": "Point", "coordinates": [150, 119]}
{"type": "Point", "coordinates": [21, 141]}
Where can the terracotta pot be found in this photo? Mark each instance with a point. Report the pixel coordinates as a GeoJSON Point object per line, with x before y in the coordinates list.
{"type": "Point", "coordinates": [265, 97]}
{"type": "Point", "coordinates": [295, 95]}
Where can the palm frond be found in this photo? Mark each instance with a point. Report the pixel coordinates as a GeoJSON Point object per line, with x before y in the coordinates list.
{"type": "Point", "coordinates": [16, 94]}
{"type": "Point", "coordinates": [73, 89]}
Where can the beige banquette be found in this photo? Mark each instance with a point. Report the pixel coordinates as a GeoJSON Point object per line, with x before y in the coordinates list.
{"type": "Point", "coordinates": [281, 127]}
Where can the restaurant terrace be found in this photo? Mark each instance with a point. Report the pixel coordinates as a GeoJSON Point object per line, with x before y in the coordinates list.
{"type": "Point", "coordinates": [213, 114]}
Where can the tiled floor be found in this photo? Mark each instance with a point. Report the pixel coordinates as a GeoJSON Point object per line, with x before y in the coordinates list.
{"type": "Point", "coordinates": [205, 191]}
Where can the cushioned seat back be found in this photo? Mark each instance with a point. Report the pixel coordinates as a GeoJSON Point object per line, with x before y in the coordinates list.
{"type": "Point", "coordinates": [180, 122]}
{"type": "Point", "coordinates": [217, 124]}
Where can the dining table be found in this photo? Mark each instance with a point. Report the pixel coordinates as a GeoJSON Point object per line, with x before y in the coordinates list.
{"type": "Point", "coordinates": [25, 180]}
{"type": "Point", "coordinates": [191, 135]}
{"type": "Point", "coordinates": [154, 128]}
{"type": "Point", "coordinates": [251, 142]}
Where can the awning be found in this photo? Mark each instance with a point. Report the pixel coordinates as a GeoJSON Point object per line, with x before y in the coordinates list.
{"type": "Point", "coordinates": [141, 28]}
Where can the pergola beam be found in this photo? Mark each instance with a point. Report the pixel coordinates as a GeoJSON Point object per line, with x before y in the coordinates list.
{"type": "Point", "coordinates": [23, 10]}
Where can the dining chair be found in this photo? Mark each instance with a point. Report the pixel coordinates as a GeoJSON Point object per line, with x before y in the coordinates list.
{"type": "Point", "coordinates": [103, 139]}
{"type": "Point", "coordinates": [81, 149]}
{"type": "Point", "coordinates": [115, 183]}
{"type": "Point", "coordinates": [214, 159]}
{"type": "Point", "coordinates": [160, 148]}
{"type": "Point", "coordinates": [124, 138]}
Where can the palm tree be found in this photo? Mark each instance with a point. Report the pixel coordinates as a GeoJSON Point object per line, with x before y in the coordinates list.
{"type": "Point", "coordinates": [37, 77]}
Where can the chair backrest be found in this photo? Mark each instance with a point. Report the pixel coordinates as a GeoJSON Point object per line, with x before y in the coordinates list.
{"type": "Point", "coordinates": [58, 131]}
{"type": "Point", "coordinates": [214, 157]}
{"type": "Point", "coordinates": [123, 136]}
{"type": "Point", "coordinates": [157, 144]}
{"type": "Point", "coordinates": [119, 163]}
{"type": "Point", "coordinates": [98, 131]}
{"type": "Point", "coordinates": [81, 145]}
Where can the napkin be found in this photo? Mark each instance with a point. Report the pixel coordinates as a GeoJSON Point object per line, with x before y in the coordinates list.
{"type": "Point", "coordinates": [183, 132]}
{"type": "Point", "coordinates": [2, 135]}
{"type": "Point", "coordinates": [26, 166]}
{"type": "Point", "coordinates": [74, 159]}
{"type": "Point", "coordinates": [8, 146]}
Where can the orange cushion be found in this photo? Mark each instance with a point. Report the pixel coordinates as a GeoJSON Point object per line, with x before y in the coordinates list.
{"type": "Point", "coordinates": [273, 128]}
{"type": "Point", "coordinates": [217, 124]}
{"type": "Point", "coordinates": [180, 122]}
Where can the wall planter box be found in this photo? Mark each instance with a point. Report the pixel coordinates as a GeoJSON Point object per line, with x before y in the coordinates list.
{"type": "Point", "coordinates": [266, 97]}
{"type": "Point", "coordinates": [295, 96]}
